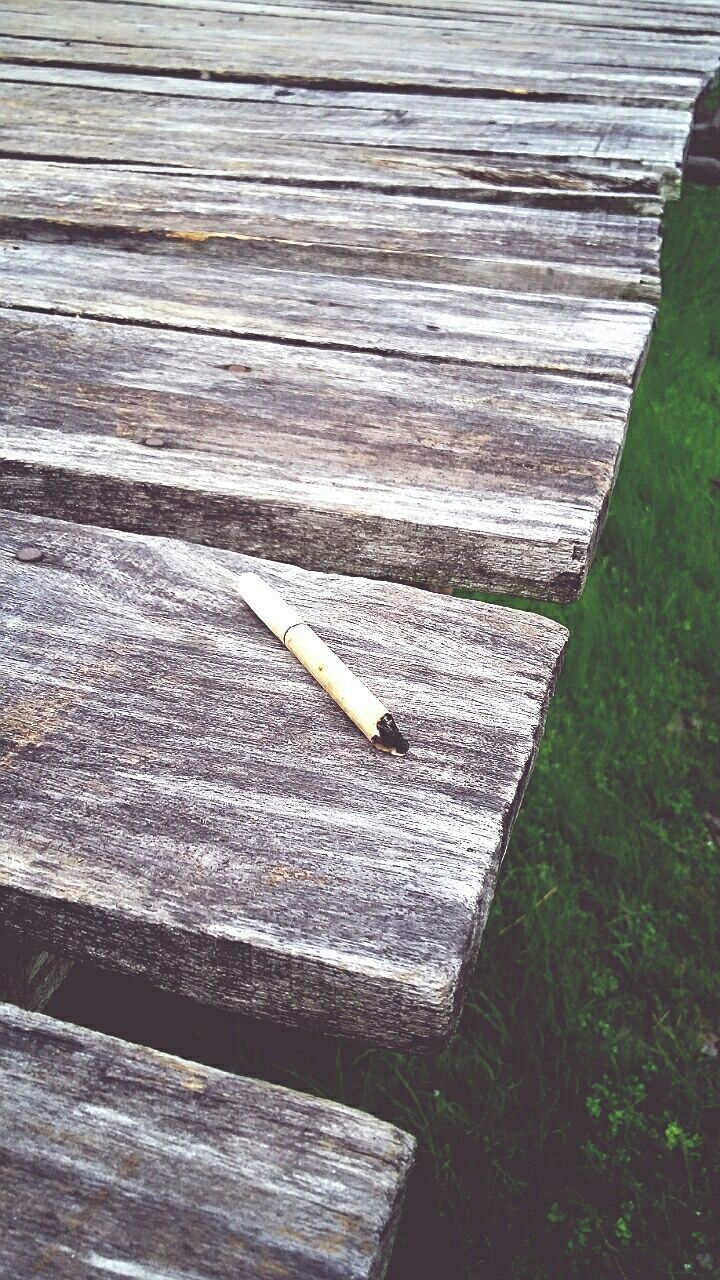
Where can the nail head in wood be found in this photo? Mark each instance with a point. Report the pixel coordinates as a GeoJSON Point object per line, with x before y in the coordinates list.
{"type": "Point", "coordinates": [29, 555]}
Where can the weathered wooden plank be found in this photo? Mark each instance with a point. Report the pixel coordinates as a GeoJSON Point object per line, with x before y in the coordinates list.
{"type": "Point", "coordinates": [658, 14]}
{"type": "Point", "coordinates": [117, 1160]}
{"type": "Point", "coordinates": [590, 253]}
{"type": "Point", "coordinates": [634, 16]}
{"type": "Point", "coordinates": [451, 322]}
{"type": "Point", "coordinates": [661, 20]}
{"type": "Point", "coordinates": [28, 976]}
{"type": "Point", "coordinates": [181, 799]}
{"type": "Point", "coordinates": [417, 142]}
{"type": "Point", "coordinates": [393, 119]}
{"type": "Point", "coordinates": [366, 464]}
{"type": "Point", "coordinates": [535, 58]}
{"type": "Point", "coordinates": [661, 16]}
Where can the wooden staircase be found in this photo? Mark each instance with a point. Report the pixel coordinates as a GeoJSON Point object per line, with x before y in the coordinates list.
{"type": "Point", "coordinates": [354, 295]}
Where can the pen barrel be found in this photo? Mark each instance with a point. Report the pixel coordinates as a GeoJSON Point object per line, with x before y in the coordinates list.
{"type": "Point", "coordinates": [355, 699]}
{"type": "Point", "coordinates": [366, 711]}
{"type": "Point", "coordinates": [268, 604]}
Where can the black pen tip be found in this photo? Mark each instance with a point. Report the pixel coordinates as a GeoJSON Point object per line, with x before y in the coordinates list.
{"type": "Point", "coordinates": [389, 737]}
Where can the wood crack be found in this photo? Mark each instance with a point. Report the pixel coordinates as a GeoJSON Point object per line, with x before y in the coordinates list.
{"type": "Point", "coordinates": [332, 83]}
{"type": "Point", "coordinates": [390, 353]}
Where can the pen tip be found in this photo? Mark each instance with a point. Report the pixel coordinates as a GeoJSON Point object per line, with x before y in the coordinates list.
{"type": "Point", "coordinates": [389, 737]}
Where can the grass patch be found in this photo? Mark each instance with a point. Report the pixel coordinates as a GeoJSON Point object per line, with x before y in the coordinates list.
{"type": "Point", "coordinates": [572, 1128]}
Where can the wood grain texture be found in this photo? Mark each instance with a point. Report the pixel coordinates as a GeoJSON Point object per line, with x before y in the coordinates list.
{"type": "Point", "coordinates": [297, 46]}
{"type": "Point", "coordinates": [180, 799]}
{"type": "Point", "coordinates": [449, 322]}
{"type": "Point", "coordinates": [493, 149]}
{"type": "Point", "coordinates": [363, 463]}
{"type": "Point", "coordinates": [594, 254]}
{"type": "Point", "coordinates": [121, 1161]}
{"type": "Point", "coordinates": [634, 16]}
{"type": "Point", "coordinates": [405, 218]}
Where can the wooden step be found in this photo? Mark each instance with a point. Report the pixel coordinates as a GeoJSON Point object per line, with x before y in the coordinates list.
{"type": "Point", "coordinates": [297, 46]}
{"type": "Point", "coordinates": [117, 1160]}
{"type": "Point", "coordinates": [467, 326]}
{"type": "Point", "coordinates": [250, 225]}
{"type": "Point", "coordinates": [181, 800]}
{"type": "Point", "coordinates": [384, 465]}
{"type": "Point", "coordinates": [612, 157]}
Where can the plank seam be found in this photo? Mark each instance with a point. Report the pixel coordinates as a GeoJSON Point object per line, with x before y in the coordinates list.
{"type": "Point", "coordinates": [390, 353]}
{"type": "Point", "coordinates": [339, 85]}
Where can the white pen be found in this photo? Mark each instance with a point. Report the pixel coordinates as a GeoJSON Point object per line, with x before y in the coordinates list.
{"type": "Point", "coordinates": [363, 708]}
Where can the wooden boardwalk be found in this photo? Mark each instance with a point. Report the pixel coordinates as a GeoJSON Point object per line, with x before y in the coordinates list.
{"type": "Point", "coordinates": [362, 286]}
{"type": "Point", "coordinates": [365, 287]}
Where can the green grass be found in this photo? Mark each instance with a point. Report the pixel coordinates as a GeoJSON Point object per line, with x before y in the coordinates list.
{"type": "Point", "coordinates": [572, 1127]}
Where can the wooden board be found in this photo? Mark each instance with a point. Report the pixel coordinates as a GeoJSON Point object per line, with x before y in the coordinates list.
{"type": "Point", "coordinates": [658, 16]}
{"type": "Point", "coordinates": [180, 799]}
{"type": "Point", "coordinates": [117, 1160]}
{"type": "Point", "coordinates": [393, 317]}
{"type": "Point", "coordinates": [357, 233]}
{"type": "Point", "coordinates": [489, 149]}
{"type": "Point", "coordinates": [364, 463]}
{"type": "Point", "coordinates": [350, 48]}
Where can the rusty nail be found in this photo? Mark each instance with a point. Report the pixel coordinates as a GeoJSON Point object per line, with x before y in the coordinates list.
{"type": "Point", "coordinates": [29, 555]}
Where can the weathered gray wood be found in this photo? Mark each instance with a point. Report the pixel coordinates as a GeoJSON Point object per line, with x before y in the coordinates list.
{"type": "Point", "coordinates": [634, 16]}
{"type": "Point", "coordinates": [117, 1160]}
{"type": "Point", "coordinates": [28, 976]}
{"type": "Point", "coordinates": [180, 799]}
{"type": "Point", "coordinates": [594, 254]}
{"type": "Point", "coordinates": [99, 102]}
{"type": "Point", "coordinates": [452, 322]}
{"type": "Point", "coordinates": [361, 463]}
{"type": "Point", "coordinates": [393, 51]}
{"type": "Point", "coordinates": [490, 149]}
{"type": "Point", "coordinates": [417, 291]}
